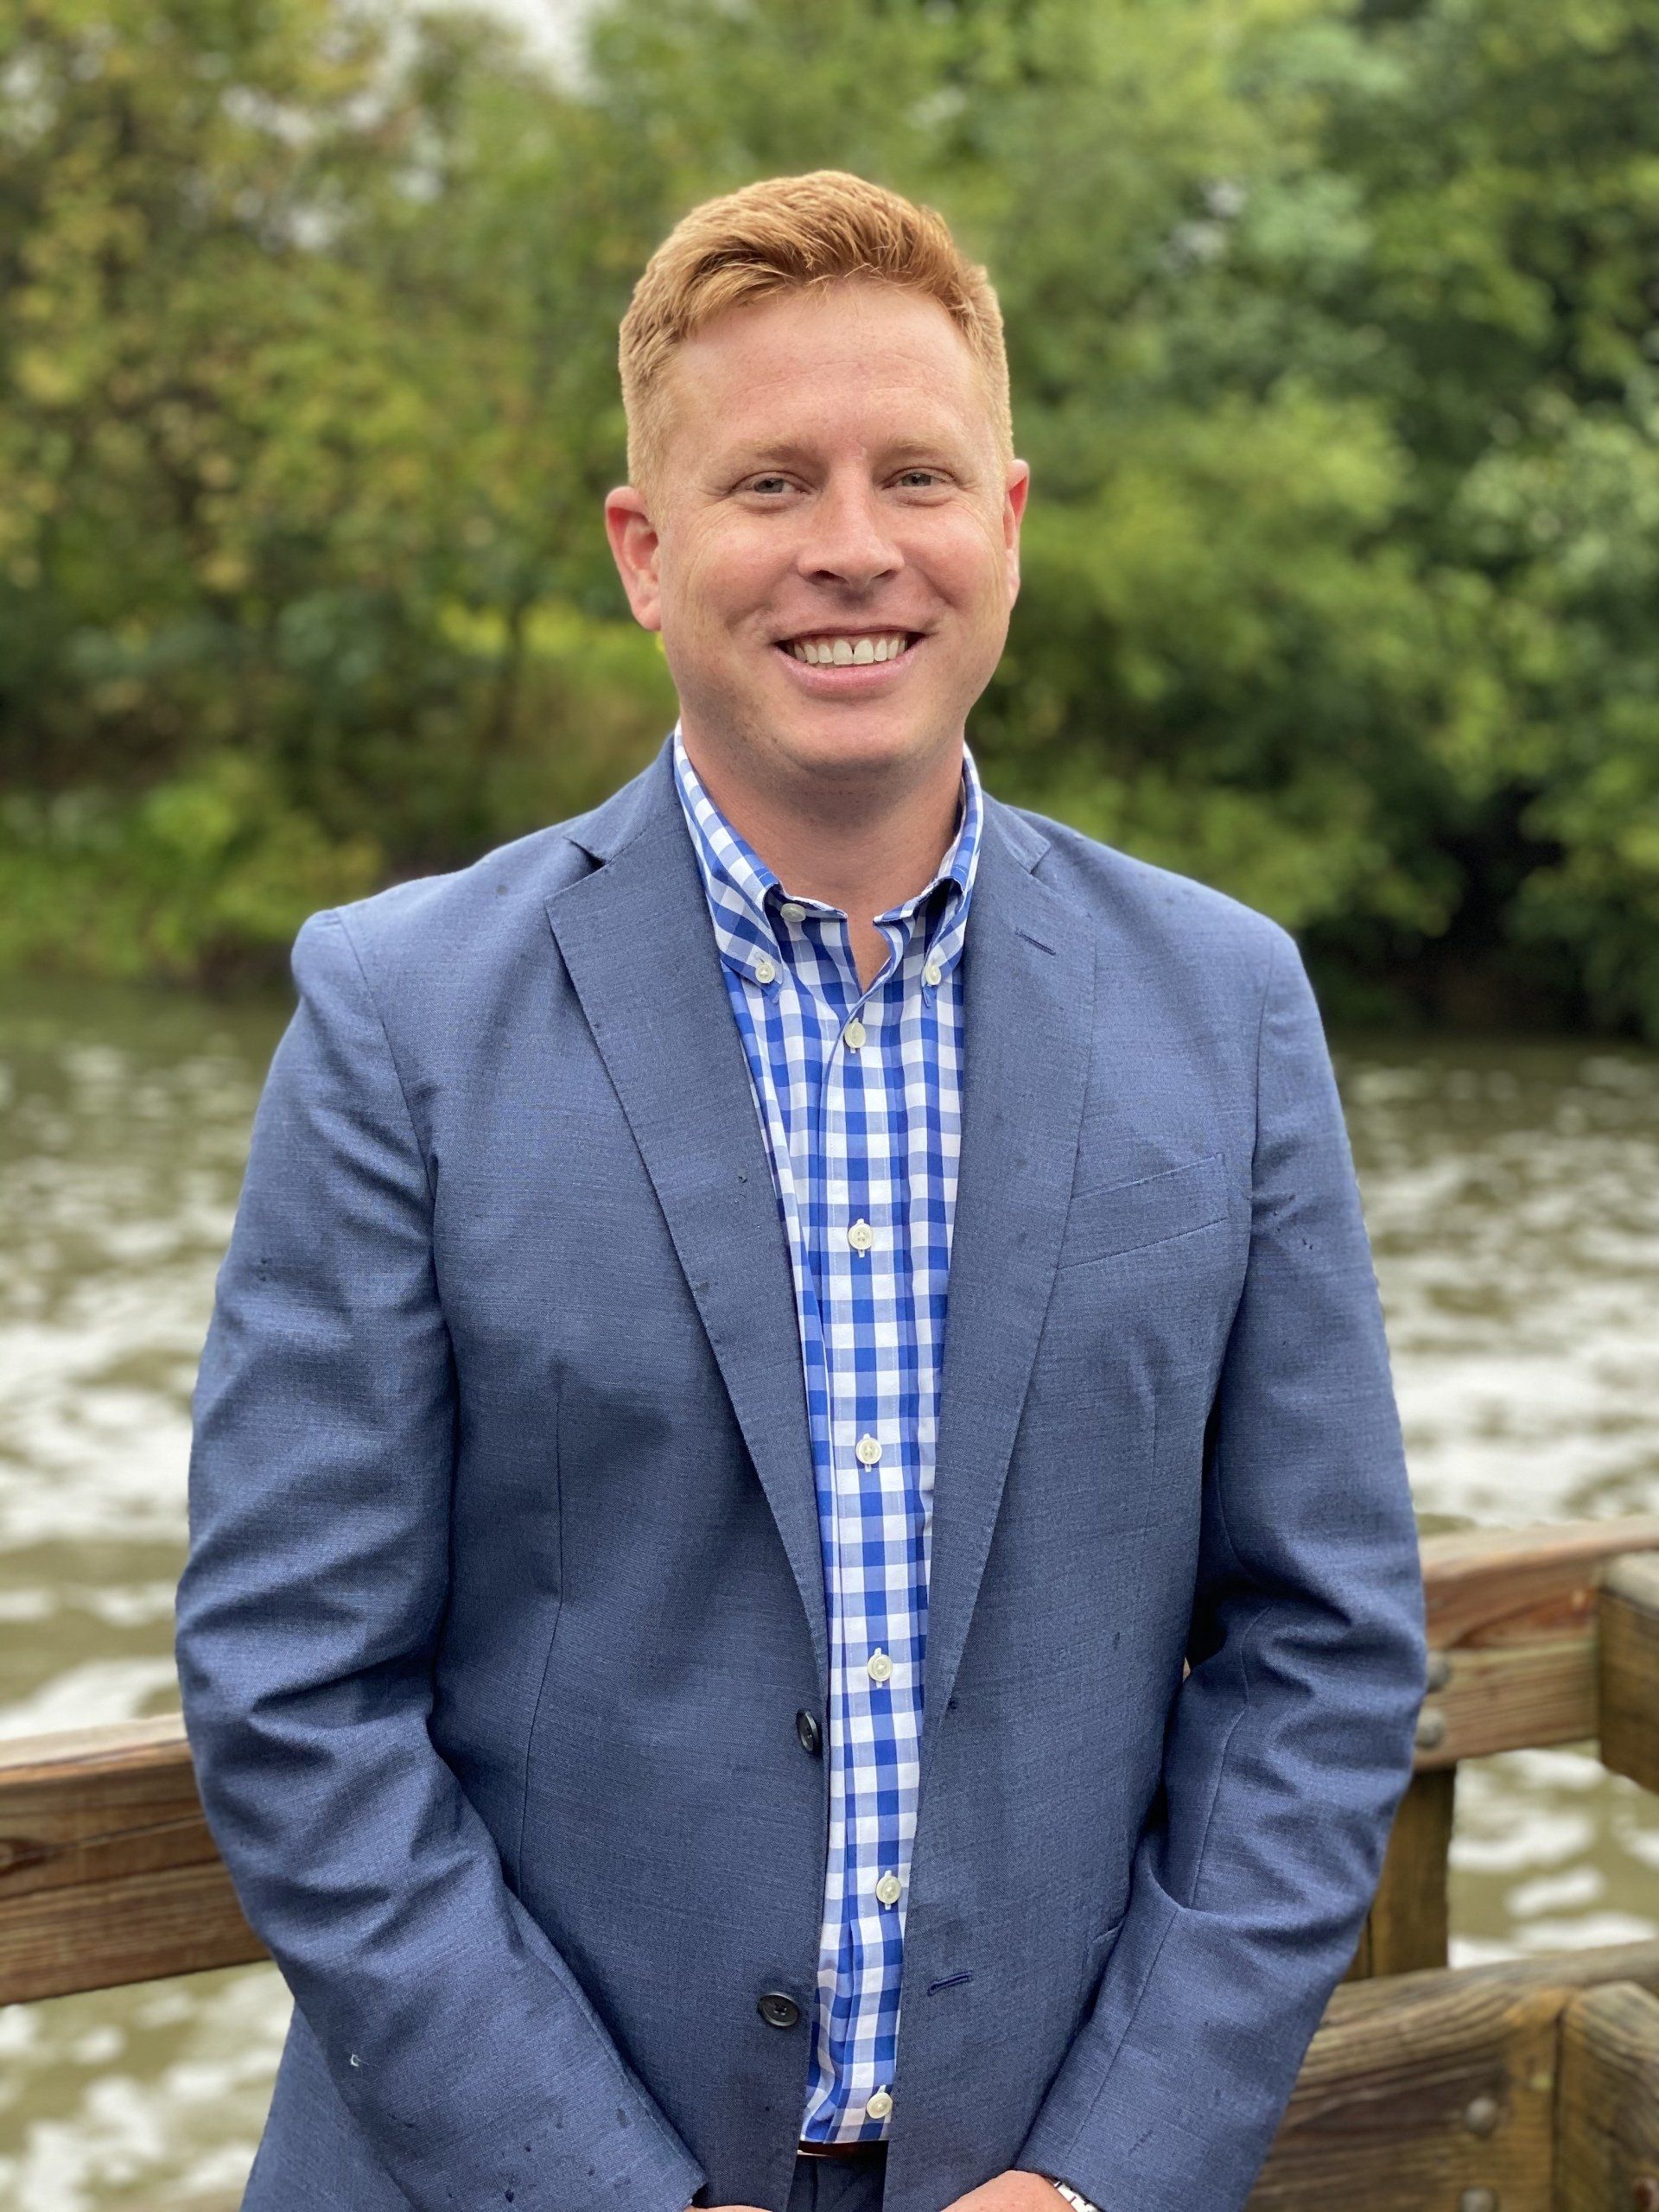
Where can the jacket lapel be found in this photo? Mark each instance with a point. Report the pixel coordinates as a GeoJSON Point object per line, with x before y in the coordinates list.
{"type": "Point", "coordinates": [636, 937]}
{"type": "Point", "coordinates": [1028, 989]}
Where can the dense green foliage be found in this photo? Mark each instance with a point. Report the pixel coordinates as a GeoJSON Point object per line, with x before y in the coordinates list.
{"type": "Point", "coordinates": [1334, 333]}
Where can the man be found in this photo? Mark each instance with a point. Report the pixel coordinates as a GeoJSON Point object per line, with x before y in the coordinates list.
{"type": "Point", "coordinates": [637, 1654]}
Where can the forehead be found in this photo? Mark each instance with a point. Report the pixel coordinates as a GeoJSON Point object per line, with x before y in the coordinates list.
{"type": "Point", "coordinates": [852, 354]}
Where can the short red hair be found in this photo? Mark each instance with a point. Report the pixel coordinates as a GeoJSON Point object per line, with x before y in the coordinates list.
{"type": "Point", "coordinates": [792, 233]}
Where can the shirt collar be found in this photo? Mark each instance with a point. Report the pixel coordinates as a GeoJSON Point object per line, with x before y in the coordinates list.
{"type": "Point", "coordinates": [744, 893]}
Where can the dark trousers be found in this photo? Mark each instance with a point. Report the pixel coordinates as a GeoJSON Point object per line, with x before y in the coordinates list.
{"type": "Point", "coordinates": [839, 2184]}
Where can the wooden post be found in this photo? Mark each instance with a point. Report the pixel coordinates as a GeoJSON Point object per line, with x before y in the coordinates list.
{"type": "Point", "coordinates": [1406, 1928]}
{"type": "Point", "coordinates": [1628, 1667]}
{"type": "Point", "coordinates": [1607, 2102]}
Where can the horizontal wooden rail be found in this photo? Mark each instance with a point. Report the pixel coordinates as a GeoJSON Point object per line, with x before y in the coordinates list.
{"type": "Point", "coordinates": [1520, 2086]}
{"type": "Point", "coordinates": [1587, 1968]}
{"type": "Point", "coordinates": [108, 1871]}
{"type": "Point", "coordinates": [1513, 1617]}
{"type": "Point", "coordinates": [1416, 2104]}
{"type": "Point", "coordinates": [109, 1874]}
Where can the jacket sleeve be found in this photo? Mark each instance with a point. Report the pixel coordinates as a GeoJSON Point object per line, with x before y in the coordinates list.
{"type": "Point", "coordinates": [1289, 1744]}
{"type": "Point", "coordinates": [307, 1616]}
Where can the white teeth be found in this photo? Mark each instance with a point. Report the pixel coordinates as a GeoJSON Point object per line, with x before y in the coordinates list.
{"type": "Point", "coordinates": [842, 653]}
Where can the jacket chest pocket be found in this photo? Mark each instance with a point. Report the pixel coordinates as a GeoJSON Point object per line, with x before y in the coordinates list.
{"type": "Point", "coordinates": [1126, 1217]}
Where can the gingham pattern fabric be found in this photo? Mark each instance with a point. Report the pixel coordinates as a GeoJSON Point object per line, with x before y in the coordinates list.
{"type": "Point", "coordinates": [864, 1136]}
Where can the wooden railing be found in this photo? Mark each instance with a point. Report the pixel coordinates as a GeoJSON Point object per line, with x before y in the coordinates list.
{"type": "Point", "coordinates": [1536, 1636]}
{"type": "Point", "coordinates": [1525, 2086]}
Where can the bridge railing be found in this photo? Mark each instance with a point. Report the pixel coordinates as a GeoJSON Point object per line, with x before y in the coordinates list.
{"type": "Point", "coordinates": [1527, 2085]}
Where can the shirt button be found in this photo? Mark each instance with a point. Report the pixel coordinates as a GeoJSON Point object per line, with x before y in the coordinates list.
{"type": "Point", "coordinates": [932, 971]}
{"type": "Point", "coordinates": [854, 1035]}
{"type": "Point", "coordinates": [765, 969]}
{"type": "Point", "coordinates": [888, 1889]}
{"type": "Point", "coordinates": [792, 912]}
{"type": "Point", "coordinates": [868, 1449]}
{"type": "Point", "coordinates": [880, 2105]}
{"type": "Point", "coordinates": [879, 1666]}
{"type": "Point", "coordinates": [861, 1236]}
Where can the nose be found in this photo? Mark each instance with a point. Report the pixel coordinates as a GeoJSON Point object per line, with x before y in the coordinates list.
{"type": "Point", "coordinates": [847, 536]}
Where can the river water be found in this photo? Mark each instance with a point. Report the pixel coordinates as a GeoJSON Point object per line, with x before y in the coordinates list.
{"type": "Point", "coordinates": [1512, 1190]}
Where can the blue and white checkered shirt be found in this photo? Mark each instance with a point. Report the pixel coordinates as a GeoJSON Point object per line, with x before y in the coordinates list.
{"type": "Point", "coordinates": [860, 1094]}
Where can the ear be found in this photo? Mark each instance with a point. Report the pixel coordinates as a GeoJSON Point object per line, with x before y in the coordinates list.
{"type": "Point", "coordinates": [1014, 509]}
{"type": "Point", "coordinates": [635, 548]}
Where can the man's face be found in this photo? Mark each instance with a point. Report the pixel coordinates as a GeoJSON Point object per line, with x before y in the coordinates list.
{"type": "Point", "coordinates": [832, 466]}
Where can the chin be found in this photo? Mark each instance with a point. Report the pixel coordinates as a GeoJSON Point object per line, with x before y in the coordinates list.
{"type": "Point", "coordinates": [871, 738]}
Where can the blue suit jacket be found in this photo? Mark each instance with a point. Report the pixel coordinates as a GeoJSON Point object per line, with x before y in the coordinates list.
{"type": "Point", "coordinates": [504, 1587]}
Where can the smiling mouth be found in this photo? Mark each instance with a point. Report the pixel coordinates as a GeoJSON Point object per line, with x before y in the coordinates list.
{"type": "Point", "coordinates": [871, 649]}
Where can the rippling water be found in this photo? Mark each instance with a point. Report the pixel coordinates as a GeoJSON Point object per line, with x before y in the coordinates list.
{"type": "Point", "coordinates": [1513, 1195]}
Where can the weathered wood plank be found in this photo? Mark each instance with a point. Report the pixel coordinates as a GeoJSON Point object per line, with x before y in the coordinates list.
{"type": "Point", "coordinates": [1628, 1674]}
{"type": "Point", "coordinates": [1607, 2103]}
{"type": "Point", "coordinates": [1581, 1969]}
{"type": "Point", "coordinates": [1422, 2097]}
{"type": "Point", "coordinates": [1494, 1586]}
{"type": "Point", "coordinates": [1507, 1697]}
{"type": "Point", "coordinates": [1512, 1620]}
{"type": "Point", "coordinates": [108, 1871]}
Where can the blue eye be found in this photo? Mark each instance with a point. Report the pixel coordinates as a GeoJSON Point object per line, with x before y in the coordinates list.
{"type": "Point", "coordinates": [758, 483]}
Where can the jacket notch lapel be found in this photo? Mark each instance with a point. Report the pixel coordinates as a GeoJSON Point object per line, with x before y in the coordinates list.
{"type": "Point", "coordinates": [636, 939]}
{"type": "Point", "coordinates": [1028, 995]}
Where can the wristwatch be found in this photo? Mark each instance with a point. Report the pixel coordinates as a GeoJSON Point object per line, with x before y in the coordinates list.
{"type": "Point", "coordinates": [1070, 2194]}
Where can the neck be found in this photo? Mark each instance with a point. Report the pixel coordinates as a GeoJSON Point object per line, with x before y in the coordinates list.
{"type": "Point", "coordinates": [862, 845]}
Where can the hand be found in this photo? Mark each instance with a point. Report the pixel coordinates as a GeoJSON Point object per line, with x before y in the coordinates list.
{"type": "Point", "coordinates": [1016, 2191]}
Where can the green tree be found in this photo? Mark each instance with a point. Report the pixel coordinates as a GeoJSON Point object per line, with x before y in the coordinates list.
{"type": "Point", "coordinates": [1332, 332]}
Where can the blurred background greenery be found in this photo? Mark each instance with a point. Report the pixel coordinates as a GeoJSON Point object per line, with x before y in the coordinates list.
{"type": "Point", "coordinates": [1334, 333]}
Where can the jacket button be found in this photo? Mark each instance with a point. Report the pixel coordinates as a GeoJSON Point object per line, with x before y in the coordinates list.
{"type": "Point", "coordinates": [778, 2009]}
{"type": "Point", "coordinates": [807, 1728]}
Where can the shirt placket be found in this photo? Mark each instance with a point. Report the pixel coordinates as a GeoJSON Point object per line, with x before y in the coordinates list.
{"type": "Point", "coordinates": [846, 1112]}
{"type": "Point", "coordinates": [857, 1254]}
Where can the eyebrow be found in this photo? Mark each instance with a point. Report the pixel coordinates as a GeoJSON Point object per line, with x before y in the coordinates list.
{"type": "Point", "coordinates": [756, 450]}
